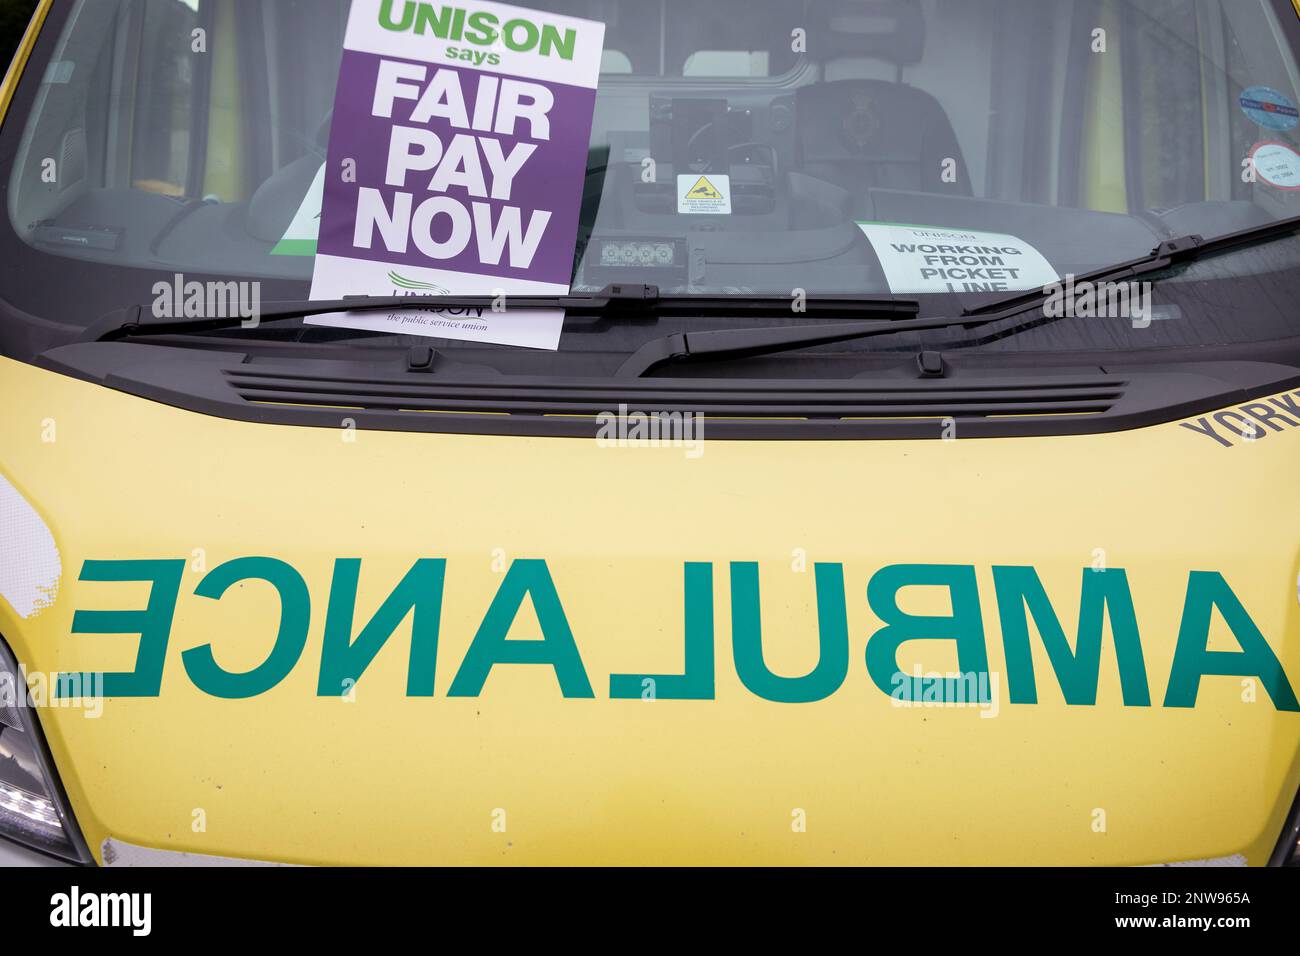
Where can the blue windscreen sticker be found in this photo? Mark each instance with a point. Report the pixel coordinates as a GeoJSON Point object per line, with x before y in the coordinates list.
{"type": "Point", "coordinates": [1269, 108]}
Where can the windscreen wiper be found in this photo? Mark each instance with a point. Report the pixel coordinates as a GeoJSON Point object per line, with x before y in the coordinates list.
{"type": "Point", "coordinates": [1168, 253]}
{"type": "Point", "coordinates": [728, 344]}
{"type": "Point", "coordinates": [631, 302]}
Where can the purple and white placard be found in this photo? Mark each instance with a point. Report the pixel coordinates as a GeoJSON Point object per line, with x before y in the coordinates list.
{"type": "Point", "coordinates": [456, 164]}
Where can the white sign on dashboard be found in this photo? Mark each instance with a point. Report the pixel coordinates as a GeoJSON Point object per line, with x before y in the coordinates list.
{"type": "Point", "coordinates": [919, 259]}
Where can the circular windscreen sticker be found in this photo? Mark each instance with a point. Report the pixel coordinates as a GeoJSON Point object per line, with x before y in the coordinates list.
{"type": "Point", "coordinates": [1276, 164]}
{"type": "Point", "coordinates": [1269, 108]}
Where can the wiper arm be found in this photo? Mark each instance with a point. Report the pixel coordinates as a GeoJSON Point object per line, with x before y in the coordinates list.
{"type": "Point", "coordinates": [632, 302]}
{"type": "Point", "coordinates": [727, 344]}
{"type": "Point", "coordinates": [1170, 252]}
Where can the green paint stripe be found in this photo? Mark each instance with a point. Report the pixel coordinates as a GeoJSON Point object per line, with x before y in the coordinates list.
{"type": "Point", "coordinates": [295, 247]}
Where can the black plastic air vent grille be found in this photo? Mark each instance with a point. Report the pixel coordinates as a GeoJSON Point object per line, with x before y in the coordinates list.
{"type": "Point", "coordinates": [742, 400]}
{"type": "Point", "coordinates": [986, 396]}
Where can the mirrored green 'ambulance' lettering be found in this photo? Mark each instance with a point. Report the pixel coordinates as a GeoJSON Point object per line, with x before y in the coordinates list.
{"type": "Point", "coordinates": [1105, 603]}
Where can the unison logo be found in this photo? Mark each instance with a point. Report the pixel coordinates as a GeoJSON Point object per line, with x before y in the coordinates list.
{"type": "Point", "coordinates": [480, 28]}
{"type": "Point", "coordinates": [415, 285]}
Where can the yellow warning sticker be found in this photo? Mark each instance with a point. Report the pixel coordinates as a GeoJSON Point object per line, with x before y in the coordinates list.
{"type": "Point", "coordinates": [704, 195]}
{"type": "Point", "coordinates": [703, 189]}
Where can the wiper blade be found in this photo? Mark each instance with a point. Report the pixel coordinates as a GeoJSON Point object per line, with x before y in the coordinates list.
{"type": "Point", "coordinates": [1168, 253]}
{"type": "Point", "coordinates": [633, 302]}
{"type": "Point", "coordinates": [728, 344]}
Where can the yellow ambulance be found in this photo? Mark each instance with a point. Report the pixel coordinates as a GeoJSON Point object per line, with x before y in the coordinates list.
{"type": "Point", "coordinates": [905, 468]}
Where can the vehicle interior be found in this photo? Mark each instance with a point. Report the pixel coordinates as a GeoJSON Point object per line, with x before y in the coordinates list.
{"type": "Point", "coordinates": [822, 114]}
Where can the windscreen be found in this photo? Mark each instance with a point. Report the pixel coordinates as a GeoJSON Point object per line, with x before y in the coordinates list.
{"type": "Point", "coordinates": [737, 147]}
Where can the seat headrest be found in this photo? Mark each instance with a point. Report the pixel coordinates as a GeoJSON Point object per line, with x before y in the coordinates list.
{"type": "Point", "coordinates": [892, 30]}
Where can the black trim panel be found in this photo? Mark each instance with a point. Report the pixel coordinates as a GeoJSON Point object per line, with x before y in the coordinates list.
{"type": "Point", "coordinates": [897, 403]}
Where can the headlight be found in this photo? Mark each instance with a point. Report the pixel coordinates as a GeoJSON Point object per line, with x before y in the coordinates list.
{"type": "Point", "coordinates": [1288, 852]}
{"type": "Point", "coordinates": [32, 809]}
{"type": "Point", "coordinates": [1288, 848]}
